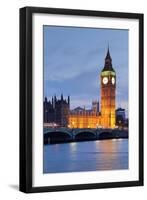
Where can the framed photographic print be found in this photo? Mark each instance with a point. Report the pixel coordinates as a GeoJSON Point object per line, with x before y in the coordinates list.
{"type": "Point", "coordinates": [81, 99]}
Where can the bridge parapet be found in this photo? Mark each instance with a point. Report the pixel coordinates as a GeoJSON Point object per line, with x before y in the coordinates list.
{"type": "Point", "coordinates": [47, 130]}
{"type": "Point", "coordinates": [83, 130]}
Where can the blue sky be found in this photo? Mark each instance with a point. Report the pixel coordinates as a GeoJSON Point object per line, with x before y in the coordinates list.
{"type": "Point", "coordinates": [74, 58]}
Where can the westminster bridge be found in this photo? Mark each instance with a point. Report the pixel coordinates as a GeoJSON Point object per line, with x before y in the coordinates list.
{"type": "Point", "coordinates": [63, 135]}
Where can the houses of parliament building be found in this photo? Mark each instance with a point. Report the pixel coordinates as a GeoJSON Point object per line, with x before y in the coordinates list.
{"type": "Point", "coordinates": [58, 110]}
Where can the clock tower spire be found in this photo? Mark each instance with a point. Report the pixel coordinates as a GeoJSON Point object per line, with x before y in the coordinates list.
{"type": "Point", "coordinates": [108, 88]}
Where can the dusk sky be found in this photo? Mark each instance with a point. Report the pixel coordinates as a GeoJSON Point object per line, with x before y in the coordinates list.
{"type": "Point", "coordinates": [74, 58]}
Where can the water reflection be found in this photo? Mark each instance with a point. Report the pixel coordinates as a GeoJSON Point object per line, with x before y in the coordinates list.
{"type": "Point", "coordinates": [110, 154]}
{"type": "Point", "coordinates": [86, 156]}
{"type": "Point", "coordinates": [73, 146]}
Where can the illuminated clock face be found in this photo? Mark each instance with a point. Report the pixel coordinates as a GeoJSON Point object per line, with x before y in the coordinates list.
{"type": "Point", "coordinates": [113, 80]}
{"type": "Point", "coordinates": [105, 80]}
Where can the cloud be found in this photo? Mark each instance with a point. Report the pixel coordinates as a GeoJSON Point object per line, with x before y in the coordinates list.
{"type": "Point", "coordinates": [70, 67]}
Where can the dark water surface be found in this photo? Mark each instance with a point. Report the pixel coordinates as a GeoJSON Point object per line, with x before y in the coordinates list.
{"type": "Point", "coordinates": [86, 156]}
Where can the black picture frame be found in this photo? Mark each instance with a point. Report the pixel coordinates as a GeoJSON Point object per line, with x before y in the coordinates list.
{"type": "Point", "coordinates": [26, 99]}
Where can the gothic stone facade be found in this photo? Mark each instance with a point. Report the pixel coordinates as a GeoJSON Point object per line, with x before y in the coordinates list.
{"type": "Point", "coordinates": [57, 111]}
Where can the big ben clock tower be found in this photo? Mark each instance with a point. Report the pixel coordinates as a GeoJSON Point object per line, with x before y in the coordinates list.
{"type": "Point", "coordinates": [108, 87]}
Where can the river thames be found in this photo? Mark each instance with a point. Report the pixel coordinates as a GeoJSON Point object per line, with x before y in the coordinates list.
{"type": "Point", "coordinates": [86, 156]}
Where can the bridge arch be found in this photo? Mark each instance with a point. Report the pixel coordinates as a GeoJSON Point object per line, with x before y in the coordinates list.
{"type": "Point", "coordinates": [84, 135]}
{"type": "Point", "coordinates": [57, 136]}
{"type": "Point", "coordinates": [106, 135]}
